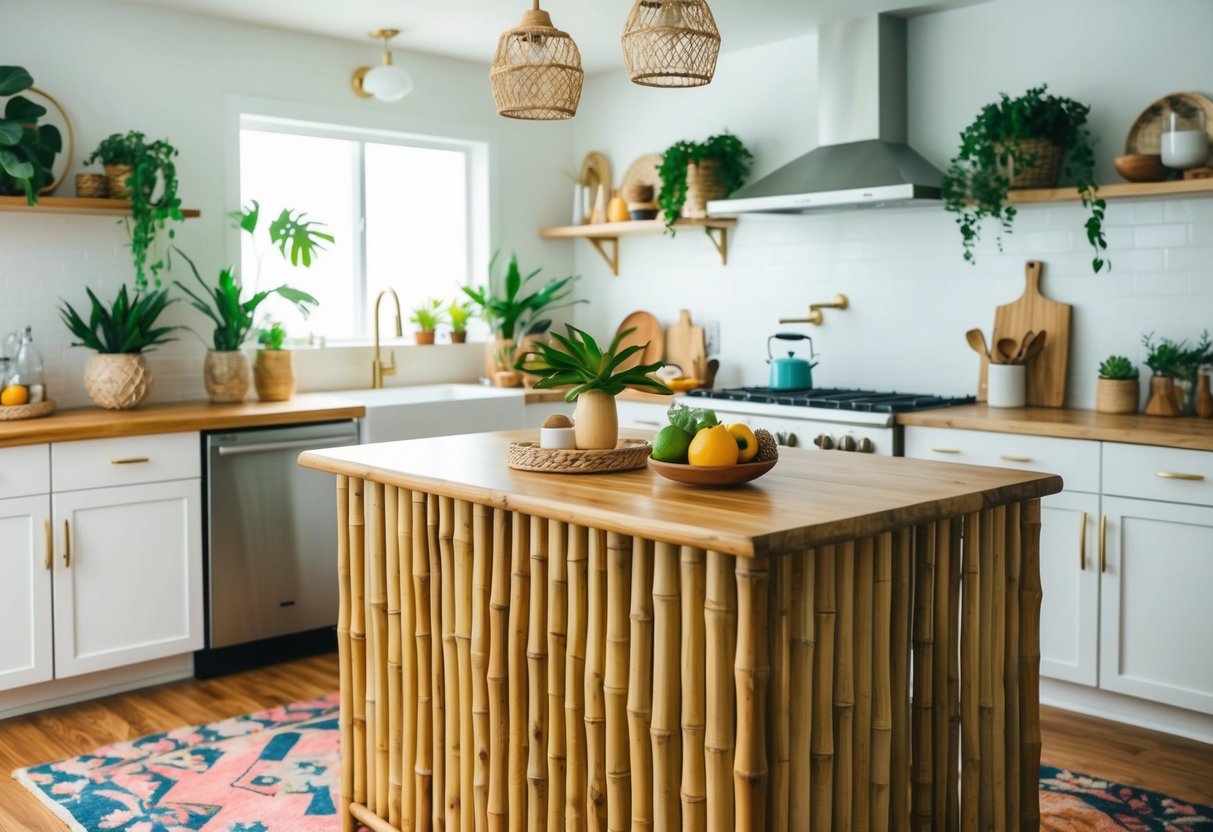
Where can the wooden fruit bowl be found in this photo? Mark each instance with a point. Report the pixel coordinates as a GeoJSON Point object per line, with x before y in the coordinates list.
{"type": "Point", "coordinates": [1141, 167]}
{"type": "Point", "coordinates": [712, 475]}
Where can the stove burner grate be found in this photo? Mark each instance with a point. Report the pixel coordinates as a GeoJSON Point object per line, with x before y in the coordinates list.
{"type": "Point", "coordinates": [870, 401]}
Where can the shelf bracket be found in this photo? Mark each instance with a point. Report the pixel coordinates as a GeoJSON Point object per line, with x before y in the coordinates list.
{"type": "Point", "coordinates": [601, 244]}
{"type": "Point", "coordinates": [720, 239]}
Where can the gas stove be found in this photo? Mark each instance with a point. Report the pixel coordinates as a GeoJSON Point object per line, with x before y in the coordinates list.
{"type": "Point", "coordinates": [828, 418]}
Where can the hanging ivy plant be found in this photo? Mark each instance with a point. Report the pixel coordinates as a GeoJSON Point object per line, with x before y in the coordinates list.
{"type": "Point", "coordinates": [732, 167]}
{"type": "Point", "coordinates": [977, 181]}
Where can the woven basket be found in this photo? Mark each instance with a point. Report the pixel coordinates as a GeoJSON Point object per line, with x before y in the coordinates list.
{"type": "Point", "coordinates": [627, 456]}
{"type": "Point", "coordinates": [536, 73]}
{"type": "Point", "coordinates": [91, 186]}
{"type": "Point", "coordinates": [274, 375]}
{"type": "Point", "coordinates": [26, 411]}
{"type": "Point", "coordinates": [660, 52]}
{"type": "Point", "coordinates": [225, 376]}
{"type": "Point", "coordinates": [702, 187]}
{"type": "Point", "coordinates": [1117, 395]}
{"type": "Point", "coordinates": [1044, 173]}
{"type": "Point", "coordinates": [117, 381]}
{"type": "Point", "coordinates": [115, 178]}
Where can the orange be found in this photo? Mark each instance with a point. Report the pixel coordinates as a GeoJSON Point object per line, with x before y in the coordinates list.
{"type": "Point", "coordinates": [747, 442]}
{"type": "Point", "coordinates": [14, 394]}
{"type": "Point", "coordinates": [713, 446]}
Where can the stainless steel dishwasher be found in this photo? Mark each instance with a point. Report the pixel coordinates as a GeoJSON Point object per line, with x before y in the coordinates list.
{"type": "Point", "coordinates": [271, 536]}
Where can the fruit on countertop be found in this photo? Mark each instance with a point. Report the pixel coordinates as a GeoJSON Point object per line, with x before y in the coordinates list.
{"type": "Point", "coordinates": [696, 437]}
{"type": "Point", "coordinates": [558, 420]}
{"type": "Point", "coordinates": [768, 449]}
{"type": "Point", "coordinates": [713, 446]}
{"type": "Point", "coordinates": [14, 394]}
{"type": "Point", "coordinates": [671, 444]}
{"type": "Point", "coordinates": [747, 443]}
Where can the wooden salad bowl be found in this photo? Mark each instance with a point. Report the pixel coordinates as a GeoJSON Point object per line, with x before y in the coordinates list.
{"type": "Point", "coordinates": [712, 475]}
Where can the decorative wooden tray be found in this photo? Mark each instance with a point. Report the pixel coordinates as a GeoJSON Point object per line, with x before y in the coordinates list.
{"type": "Point", "coordinates": [628, 455]}
{"type": "Point", "coordinates": [27, 411]}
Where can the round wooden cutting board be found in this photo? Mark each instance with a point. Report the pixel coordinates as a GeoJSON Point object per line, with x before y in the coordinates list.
{"type": "Point", "coordinates": [645, 329]}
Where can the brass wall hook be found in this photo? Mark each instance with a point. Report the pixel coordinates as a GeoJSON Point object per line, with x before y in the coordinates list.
{"type": "Point", "coordinates": [816, 316]}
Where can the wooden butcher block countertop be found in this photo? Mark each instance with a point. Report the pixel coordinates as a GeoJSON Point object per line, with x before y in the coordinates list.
{"type": "Point", "coordinates": [808, 499]}
{"type": "Point", "coordinates": [95, 423]}
{"type": "Point", "coordinates": [1138, 429]}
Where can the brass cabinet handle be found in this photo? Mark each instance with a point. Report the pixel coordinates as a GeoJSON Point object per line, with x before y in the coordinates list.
{"type": "Point", "coordinates": [1103, 543]}
{"type": "Point", "coordinates": [1082, 542]}
{"type": "Point", "coordinates": [946, 450]}
{"type": "Point", "coordinates": [67, 544]}
{"type": "Point", "coordinates": [48, 559]}
{"type": "Point", "coordinates": [1177, 475]}
{"type": "Point", "coordinates": [130, 460]}
{"type": "Point", "coordinates": [1015, 458]}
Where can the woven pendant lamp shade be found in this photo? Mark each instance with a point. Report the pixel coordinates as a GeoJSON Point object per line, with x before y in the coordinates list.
{"type": "Point", "coordinates": [671, 43]}
{"type": "Point", "coordinates": [536, 72]}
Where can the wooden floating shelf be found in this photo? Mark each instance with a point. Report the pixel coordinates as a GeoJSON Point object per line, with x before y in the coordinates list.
{"type": "Point", "coordinates": [1119, 190]}
{"type": "Point", "coordinates": [604, 236]}
{"type": "Point", "coordinates": [77, 205]}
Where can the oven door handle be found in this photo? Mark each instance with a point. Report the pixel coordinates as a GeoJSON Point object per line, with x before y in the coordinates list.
{"type": "Point", "coordinates": [296, 444]}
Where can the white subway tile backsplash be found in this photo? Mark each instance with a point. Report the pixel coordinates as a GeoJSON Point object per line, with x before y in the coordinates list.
{"type": "Point", "coordinates": [1161, 236]}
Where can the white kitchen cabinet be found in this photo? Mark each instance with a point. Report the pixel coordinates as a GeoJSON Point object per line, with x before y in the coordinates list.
{"type": "Point", "coordinates": [1069, 578]}
{"type": "Point", "coordinates": [26, 650]}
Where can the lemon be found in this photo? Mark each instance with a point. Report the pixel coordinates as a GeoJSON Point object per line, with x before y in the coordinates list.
{"type": "Point", "coordinates": [713, 446]}
{"type": "Point", "coordinates": [671, 444]}
{"type": "Point", "coordinates": [747, 442]}
{"type": "Point", "coordinates": [14, 394]}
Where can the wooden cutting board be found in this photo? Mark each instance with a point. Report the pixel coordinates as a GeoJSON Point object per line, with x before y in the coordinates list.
{"type": "Point", "coordinates": [684, 346]}
{"type": "Point", "coordinates": [1046, 375]}
{"type": "Point", "coordinates": [646, 329]}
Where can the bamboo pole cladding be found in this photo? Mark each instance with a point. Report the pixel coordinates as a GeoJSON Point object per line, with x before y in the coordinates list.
{"type": "Point", "coordinates": [538, 674]}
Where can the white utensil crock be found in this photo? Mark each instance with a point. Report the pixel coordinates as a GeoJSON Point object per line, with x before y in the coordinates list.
{"type": "Point", "coordinates": [1006, 385]}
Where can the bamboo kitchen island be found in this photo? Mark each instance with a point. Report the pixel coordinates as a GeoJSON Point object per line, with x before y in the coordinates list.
{"type": "Point", "coordinates": [850, 642]}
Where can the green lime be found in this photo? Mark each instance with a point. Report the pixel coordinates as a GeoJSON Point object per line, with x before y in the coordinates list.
{"type": "Point", "coordinates": [671, 444]}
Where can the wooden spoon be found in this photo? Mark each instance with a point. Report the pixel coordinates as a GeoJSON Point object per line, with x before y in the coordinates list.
{"type": "Point", "coordinates": [1031, 348]}
{"type": "Point", "coordinates": [977, 340]}
{"type": "Point", "coordinates": [1007, 350]}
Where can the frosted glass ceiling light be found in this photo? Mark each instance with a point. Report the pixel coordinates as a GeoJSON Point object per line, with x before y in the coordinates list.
{"type": "Point", "coordinates": [536, 72]}
{"type": "Point", "coordinates": [671, 43]}
{"type": "Point", "coordinates": [387, 82]}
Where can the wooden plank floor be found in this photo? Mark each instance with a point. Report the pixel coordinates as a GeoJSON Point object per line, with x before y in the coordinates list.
{"type": "Point", "coordinates": [1130, 755]}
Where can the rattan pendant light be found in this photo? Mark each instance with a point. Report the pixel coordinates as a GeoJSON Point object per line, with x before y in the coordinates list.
{"type": "Point", "coordinates": [671, 43]}
{"type": "Point", "coordinates": [536, 72]}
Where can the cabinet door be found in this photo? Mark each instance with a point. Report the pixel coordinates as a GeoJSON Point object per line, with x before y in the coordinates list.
{"type": "Point", "coordinates": [1157, 617]}
{"type": "Point", "coordinates": [25, 592]}
{"type": "Point", "coordinates": [128, 582]}
{"type": "Point", "coordinates": [1069, 579]}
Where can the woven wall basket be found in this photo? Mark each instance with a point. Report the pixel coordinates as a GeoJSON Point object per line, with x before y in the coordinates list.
{"type": "Point", "coordinates": [1045, 172]}
{"type": "Point", "coordinates": [671, 43]}
{"type": "Point", "coordinates": [117, 381]}
{"type": "Point", "coordinates": [536, 72]}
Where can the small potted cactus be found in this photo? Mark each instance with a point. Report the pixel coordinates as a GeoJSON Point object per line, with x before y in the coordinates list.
{"type": "Point", "coordinates": [1118, 390]}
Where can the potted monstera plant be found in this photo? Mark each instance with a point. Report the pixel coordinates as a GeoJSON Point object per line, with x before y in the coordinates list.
{"type": "Point", "coordinates": [1031, 141]}
{"type": "Point", "coordinates": [27, 149]}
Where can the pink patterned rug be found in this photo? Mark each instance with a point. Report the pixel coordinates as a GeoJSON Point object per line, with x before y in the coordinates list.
{"type": "Point", "coordinates": [278, 771]}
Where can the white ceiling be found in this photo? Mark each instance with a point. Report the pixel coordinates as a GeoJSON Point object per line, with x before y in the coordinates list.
{"type": "Point", "coordinates": [468, 29]}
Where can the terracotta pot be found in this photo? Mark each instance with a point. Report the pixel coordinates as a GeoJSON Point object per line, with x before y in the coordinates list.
{"type": "Point", "coordinates": [1117, 395]}
{"type": "Point", "coordinates": [225, 376]}
{"type": "Point", "coordinates": [117, 381]}
{"type": "Point", "coordinates": [702, 187]}
{"type": "Point", "coordinates": [596, 422]}
{"type": "Point", "coordinates": [1163, 401]}
{"type": "Point", "coordinates": [115, 181]}
{"type": "Point", "coordinates": [459, 337]}
{"type": "Point", "coordinates": [423, 336]}
{"type": "Point", "coordinates": [1204, 398]}
{"type": "Point", "coordinates": [274, 375]}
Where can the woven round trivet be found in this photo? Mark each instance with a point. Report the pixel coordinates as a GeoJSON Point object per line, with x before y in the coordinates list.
{"type": "Point", "coordinates": [628, 455]}
{"type": "Point", "coordinates": [27, 411]}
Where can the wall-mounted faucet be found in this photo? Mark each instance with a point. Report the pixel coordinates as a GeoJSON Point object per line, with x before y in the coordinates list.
{"type": "Point", "coordinates": [378, 368]}
{"type": "Point", "coordinates": [816, 316]}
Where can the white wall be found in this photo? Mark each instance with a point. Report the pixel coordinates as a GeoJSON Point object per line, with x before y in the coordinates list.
{"type": "Point", "coordinates": [117, 67]}
{"type": "Point", "coordinates": [912, 295]}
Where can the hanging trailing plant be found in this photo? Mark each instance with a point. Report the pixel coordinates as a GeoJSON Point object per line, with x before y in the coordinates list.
{"type": "Point", "coordinates": [153, 195]}
{"type": "Point", "coordinates": [732, 167]}
{"type": "Point", "coordinates": [997, 144]}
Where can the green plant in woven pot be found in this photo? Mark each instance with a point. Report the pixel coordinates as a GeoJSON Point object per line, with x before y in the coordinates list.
{"type": "Point", "coordinates": [594, 377]}
{"type": "Point", "coordinates": [694, 172]}
{"type": "Point", "coordinates": [27, 149]}
{"type": "Point", "coordinates": [144, 173]}
{"type": "Point", "coordinates": [1117, 389]}
{"type": "Point", "coordinates": [233, 310]}
{"type": "Point", "coordinates": [117, 375]}
{"type": "Point", "coordinates": [1017, 142]}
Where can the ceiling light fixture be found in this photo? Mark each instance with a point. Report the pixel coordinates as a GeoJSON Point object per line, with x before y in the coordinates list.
{"type": "Point", "coordinates": [536, 73]}
{"type": "Point", "coordinates": [671, 43]}
{"type": "Point", "coordinates": [387, 82]}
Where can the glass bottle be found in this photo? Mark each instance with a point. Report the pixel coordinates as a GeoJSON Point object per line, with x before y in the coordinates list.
{"type": "Point", "coordinates": [27, 367]}
{"type": "Point", "coordinates": [1184, 141]}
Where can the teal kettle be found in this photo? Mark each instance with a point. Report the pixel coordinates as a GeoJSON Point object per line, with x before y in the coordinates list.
{"type": "Point", "coordinates": [791, 373]}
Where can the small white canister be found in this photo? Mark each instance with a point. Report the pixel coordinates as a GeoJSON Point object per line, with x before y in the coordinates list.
{"type": "Point", "coordinates": [1006, 385]}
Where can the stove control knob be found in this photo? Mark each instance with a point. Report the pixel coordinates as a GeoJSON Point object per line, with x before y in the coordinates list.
{"type": "Point", "coordinates": [824, 441]}
{"type": "Point", "coordinates": [866, 446]}
{"type": "Point", "coordinates": [846, 443]}
{"type": "Point", "coordinates": [793, 440]}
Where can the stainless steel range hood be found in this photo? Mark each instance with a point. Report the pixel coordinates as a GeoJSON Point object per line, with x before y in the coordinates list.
{"type": "Point", "coordinates": [863, 159]}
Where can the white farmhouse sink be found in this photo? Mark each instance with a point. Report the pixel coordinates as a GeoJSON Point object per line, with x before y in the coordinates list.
{"type": "Point", "coordinates": [436, 410]}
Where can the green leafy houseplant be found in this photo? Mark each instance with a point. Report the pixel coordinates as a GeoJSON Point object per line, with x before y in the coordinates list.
{"type": "Point", "coordinates": [732, 166]}
{"type": "Point", "coordinates": [1117, 367]}
{"type": "Point", "coordinates": [127, 325]}
{"type": "Point", "coordinates": [976, 183]}
{"type": "Point", "coordinates": [226, 304]}
{"type": "Point", "coordinates": [271, 336]}
{"type": "Point", "coordinates": [576, 360]}
{"type": "Point", "coordinates": [428, 316]}
{"type": "Point", "coordinates": [459, 314]}
{"type": "Point", "coordinates": [1163, 358]}
{"type": "Point", "coordinates": [153, 195]}
{"type": "Point", "coordinates": [27, 150]}
{"type": "Point", "coordinates": [512, 314]}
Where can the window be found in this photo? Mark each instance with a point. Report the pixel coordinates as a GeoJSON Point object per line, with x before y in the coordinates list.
{"type": "Point", "coordinates": [407, 212]}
